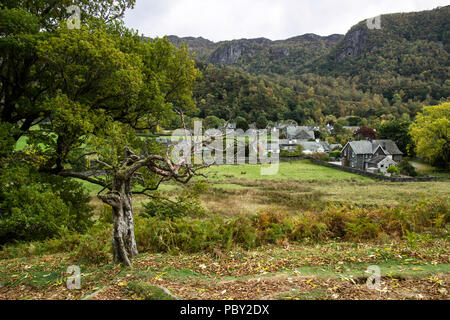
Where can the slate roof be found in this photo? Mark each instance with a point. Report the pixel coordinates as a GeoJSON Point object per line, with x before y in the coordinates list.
{"type": "Point", "coordinates": [376, 160]}
{"type": "Point", "coordinates": [311, 146]}
{"type": "Point", "coordinates": [388, 145]}
{"type": "Point", "coordinates": [369, 147]}
{"type": "Point", "coordinates": [325, 145]}
{"type": "Point", "coordinates": [361, 147]}
{"type": "Point", "coordinates": [301, 133]}
{"type": "Point", "coordinates": [286, 142]}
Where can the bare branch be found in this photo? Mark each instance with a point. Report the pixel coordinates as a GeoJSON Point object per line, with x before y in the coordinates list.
{"type": "Point", "coordinates": [81, 176]}
{"type": "Point", "coordinates": [150, 188]}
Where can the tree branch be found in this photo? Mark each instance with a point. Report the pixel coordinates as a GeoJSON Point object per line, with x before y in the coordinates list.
{"type": "Point", "coordinates": [81, 176]}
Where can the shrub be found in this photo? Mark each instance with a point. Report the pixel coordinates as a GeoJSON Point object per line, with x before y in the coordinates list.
{"type": "Point", "coordinates": [336, 154]}
{"type": "Point", "coordinates": [407, 169]}
{"type": "Point", "coordinates": [95, 246]}
{"type": "Point", "coordinates": [189, 234]}
{"type": "Point", "coordinates": [338, 222]}
{"type": "Point", "coordinates": [187, 204]}
{"type": "Point", "coordinates": [414, 239]}
{"type": "Point", "coordinates": [394, 170]}
{"type": "Point", "coordinates": [92, 247]}
{"type": "Point", "coordinates": [363, 228]}
{"type": "Point", "coordinates": [321, 156]}
{"type": "Point", "coordinates": [35, 206]}
{"type": "Point", "coordinates": [65, 241]}
{"type": "Point", "coordinates": [7, 142]}
{"type": "Point", "coordinates": [298, 152]}
{"type": "Point", "coordinates": [33, 213]}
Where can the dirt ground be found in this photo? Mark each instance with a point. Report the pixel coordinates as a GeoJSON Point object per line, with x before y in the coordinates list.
{"type": "Point", "coordinates": [331, 271]}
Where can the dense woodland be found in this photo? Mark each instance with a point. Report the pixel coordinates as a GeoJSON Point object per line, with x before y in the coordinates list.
{"type": "Point", "coordinates": [373, 74]}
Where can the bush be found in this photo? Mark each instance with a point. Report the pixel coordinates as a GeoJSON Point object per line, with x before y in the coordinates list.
{"type": "Point", "coordinates": [413, 222]}
{"type": "Point", "coordinates": [363, 228]}
{"type": "Point", "coordinates": [65, 241]}
{"type": "Point", "coordinates": [35, 206]}
{"type": "Point", "coordinates": [393, 170]}
{"type": "Point", "coordinates": [298, 152]}
{"type": "Point", "coordinates": [187, 204]}
{"type": "Point", "coordinates": [33, 214]}
{"type": "Point", "coordinates": [186, 234]}
{"type": "Point", "coordinates": [92, 247]}
{"type": "Point", "coordinates": [321, 156]}
{"type": "Point", "coordinates": [95, 246]}
{"type": "Point", "coordinates": [407, 169]}
{"type": "Point", "coordinates": [335, 154]}
{"type": "Point", "coordinates": [7, 142]}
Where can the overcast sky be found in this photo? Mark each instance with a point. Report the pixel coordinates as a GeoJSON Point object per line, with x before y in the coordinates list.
{"type": "Point", "coordinates": [273, 19]}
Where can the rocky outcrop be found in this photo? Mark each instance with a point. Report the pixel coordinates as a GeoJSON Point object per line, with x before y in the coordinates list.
{"type": "Point", "coordinates": [353, 44]}
{"type": "Point", "coordinates": [201, 46]}
{"type": "Point", "coordinates": [229, 52]}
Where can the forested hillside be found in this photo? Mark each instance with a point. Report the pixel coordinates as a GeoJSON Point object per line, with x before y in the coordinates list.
{"type": "Point", "coordinates": [307, 99]}
{"type": "Point", "coordinates": [388, 73]}
{"type": "Point", "coordinates": [408, 55]}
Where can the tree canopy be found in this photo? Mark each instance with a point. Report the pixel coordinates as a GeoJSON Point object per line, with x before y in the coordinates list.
{"type": "Point", "coordinates": [430, 132]}
{"type": "Point", "coordinates": [79, 95]}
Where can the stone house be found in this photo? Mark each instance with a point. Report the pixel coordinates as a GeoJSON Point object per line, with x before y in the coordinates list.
{"type": "Point", "coordinates": [294, 132]}
{"type": "Point", "coordinates": [390, 149]}
{"type": "Point", "coordinates": [300, 133]}
{"type": "Point", "coordinates": [381, 163]}
{"type": "Point", "coordinates": [310, 147]}
{"type": "Point", "coordinates": [357, 154]}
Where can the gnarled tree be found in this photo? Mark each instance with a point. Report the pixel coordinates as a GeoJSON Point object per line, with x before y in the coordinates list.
{"type": "Point", "coordinates": [90, 90]}
{"type": "Point", "coordinates": [133, 174]}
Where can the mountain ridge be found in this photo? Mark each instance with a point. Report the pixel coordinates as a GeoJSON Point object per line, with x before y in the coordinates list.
{"type": "Point", "coordinates": [390, 72]}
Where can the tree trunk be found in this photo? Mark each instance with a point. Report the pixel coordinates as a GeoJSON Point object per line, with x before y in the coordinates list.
{"type": "Point", "coordinates": [123, 240]}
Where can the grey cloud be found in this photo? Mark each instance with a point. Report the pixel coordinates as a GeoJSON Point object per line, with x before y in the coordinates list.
{"type": "Point", "coordinates": [281, 19]}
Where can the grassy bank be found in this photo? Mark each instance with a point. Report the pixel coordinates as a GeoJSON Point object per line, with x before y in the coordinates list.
{"type": "Point", "coordinates": [307, 233]}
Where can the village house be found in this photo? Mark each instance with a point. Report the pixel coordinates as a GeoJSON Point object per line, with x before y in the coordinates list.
{"type": "Point", "coordinates": [388, 148]}
{"type": "Point", "coordinates": [309, 147]}
{"type": "Point", "coordinates": [380, 163]}
{"type": "Point", "coordinates": [300, 133]}
{"type": "Point", "coordinates": [294, 132]}
{"type": "Point", "coordinates": [358, 154]}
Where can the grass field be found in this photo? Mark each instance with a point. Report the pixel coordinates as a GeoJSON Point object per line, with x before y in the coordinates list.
{"type": "Point", "coordinates": [330, 269]}
{"type": "Point", "coordinates": [296, 170]}
{"type": "Point", "coordinates": [242, 190]}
